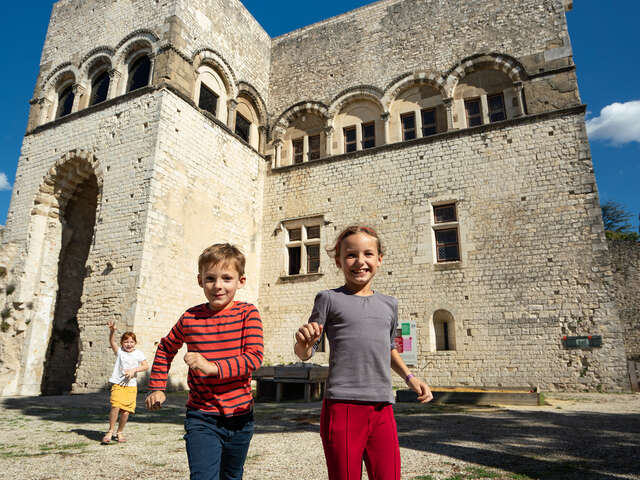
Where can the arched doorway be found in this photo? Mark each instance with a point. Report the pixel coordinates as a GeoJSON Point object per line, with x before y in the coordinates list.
{"type": "Point", "coordinates": [78, 220]}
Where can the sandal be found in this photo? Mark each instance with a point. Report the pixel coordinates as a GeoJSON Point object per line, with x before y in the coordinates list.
{"type": "Point", "coordinates": [118, 437]}
{"type": "Point", "coordinates": [107, 438]}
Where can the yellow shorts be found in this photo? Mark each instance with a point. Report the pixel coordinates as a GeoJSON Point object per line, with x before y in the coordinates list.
{"type": "Point", "coordinates": [124, 397]}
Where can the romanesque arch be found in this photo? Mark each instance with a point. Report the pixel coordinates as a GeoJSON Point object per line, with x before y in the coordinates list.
{"type": "Point", "coordinates": [356, 120]}
{"type": "Point", "coordinates": [300, 134]}
{"type": "Point", "coordinates": [60, 237]}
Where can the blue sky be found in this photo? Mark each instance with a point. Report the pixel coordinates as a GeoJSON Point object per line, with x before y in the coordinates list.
{"type": "Point", "coordinates": [604, 41]}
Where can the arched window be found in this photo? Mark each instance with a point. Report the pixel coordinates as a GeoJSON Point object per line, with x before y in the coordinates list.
{"type": "Point", "coordinates": [417, 112]}
{"type": "Point", "coordinates": [445, 331]}
{"type": "Point", "coordinates": [484, 96]}
{"type": "Point", "coordinates": [139, 73]}
{"type": "Point", "coordinates": [247, 121]}
{"type": "Point", "coordinates": [358, 126]}
{"type": "Point", "coordinates": [212, 92]}
{"type": "Point", "coordinates": [65, 101]}
{"type": "Point", "coordinates": [304, 139]}
{"type": "Point", "coordinates": [99, 88]}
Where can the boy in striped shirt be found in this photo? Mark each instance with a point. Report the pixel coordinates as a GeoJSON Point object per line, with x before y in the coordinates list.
{"type": "Point", "coordinates": [224, 343]}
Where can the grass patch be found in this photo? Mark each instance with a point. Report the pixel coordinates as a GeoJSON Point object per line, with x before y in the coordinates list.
{"type": "Point", "coordinates": [520, 476]}
{"type": "Point", "coordinates": [479, 472]}
{"type": "Point", "coordinates": [424, 477]}
{"type": "Point", "coordinates": [455, 477]}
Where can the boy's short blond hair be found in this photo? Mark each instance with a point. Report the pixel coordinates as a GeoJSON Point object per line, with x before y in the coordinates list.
{"type": "Point", "coordinates": [222, 253]}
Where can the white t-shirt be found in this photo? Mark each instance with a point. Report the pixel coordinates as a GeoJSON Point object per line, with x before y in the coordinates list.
{"type": "Point", "coordinates": [125, 361]}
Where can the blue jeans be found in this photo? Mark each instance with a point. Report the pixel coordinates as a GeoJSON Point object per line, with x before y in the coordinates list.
{"type": "Point", "coordinates": [217, 446]}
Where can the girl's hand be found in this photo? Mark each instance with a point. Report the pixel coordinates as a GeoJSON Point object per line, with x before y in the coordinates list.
{"type": "Point", "coordinates": [196, 361]}
{"type": "Point", "coordinates": [308, 334]}
{"type": "Point", "coordinates": [112, 327]}
{"type": "Point", "coordinates": [421, 388]}
{"type": "Point", "coordinates": [129, 374]}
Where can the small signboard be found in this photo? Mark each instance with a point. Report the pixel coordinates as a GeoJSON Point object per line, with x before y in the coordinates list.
{"type": "Point", "coordinates": [589, 341]}
{"type": "Point", "coordinates": [406, 342]}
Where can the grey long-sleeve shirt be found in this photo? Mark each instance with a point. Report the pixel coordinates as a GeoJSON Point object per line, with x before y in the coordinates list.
{"type": "Point", "coordinates": [360, 331]}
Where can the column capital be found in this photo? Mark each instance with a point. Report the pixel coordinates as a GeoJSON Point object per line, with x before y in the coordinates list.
{"type": "Point", "coordinates": [232, 103]}
{"type": "Point", "coordinates": [329, 130]}
{"type": "Point", "coordinates": [447, 102]}
{"type": "Point", "coordinates": [114, 74]}
{"type": "Point", "coordinates": [78, 89]}
{"type": "Point", "coordinates": [385, 116]}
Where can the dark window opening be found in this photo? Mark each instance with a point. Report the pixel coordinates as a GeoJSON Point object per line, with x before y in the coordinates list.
{"type": "Point", "coordinates": [445, 213]}
{"type": "Point", "coordinates": [447, 245]}
{"type": "Point", "coordinates": [313, 232]}
{"type": "Point", "coordinates": [314, 147]}
{"type": "Point", "coordinates": [65, 102]}
{"type": "Point", "coordinates": [243, 127]}
{"type": "Point", "coordinates": [208, 100]}
{"type": "Point", "coordinates": [368, 135]}
{"type": "Point", "coordinates": [298, 150]}
{"type": "Point", "coordinates": [295, 234]}
{"type": "Point", "coordinates": [429, 122]}
{"type": "Point", "coordinates": [313, 258]}
{"type": "Point", "coordinates": [139, 73]}
{"type": "Point", "coordinates": [474, 112]}
{"type": "Point", "coordinates": [497, 112]}
{"type": "Point", "coordinates": [445, 332]}
{"type": "Point", "coordinates": [350, 139]}
{"type": "Point", "coordinates": [99, 88]}
{"type": "Point", "coordinates": [294, 260]}
{"type": "Point", "coordinates": [408, 121]}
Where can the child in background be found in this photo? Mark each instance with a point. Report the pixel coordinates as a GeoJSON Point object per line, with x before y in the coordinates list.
{"type": "Point", "coordinates": [224, 343]}
{"type": "Point", "coordinates": [357, 416]}
{"type": "Point", "coordinates": [124, 390]}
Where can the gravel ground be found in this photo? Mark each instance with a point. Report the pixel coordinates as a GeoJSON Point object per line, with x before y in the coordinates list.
{"type": "Point", "coordinates": [574, 437]}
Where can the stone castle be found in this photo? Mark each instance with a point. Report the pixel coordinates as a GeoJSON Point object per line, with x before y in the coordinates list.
{"type": "Point", "coordinates": [455, 128]}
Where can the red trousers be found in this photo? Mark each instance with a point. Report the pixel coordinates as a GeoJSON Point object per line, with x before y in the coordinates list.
{"type": "Point", "coordinates": [352, 431]}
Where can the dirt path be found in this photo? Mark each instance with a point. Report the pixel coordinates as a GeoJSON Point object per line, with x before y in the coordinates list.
{"type": "Point", "coordinates": [575, 437]}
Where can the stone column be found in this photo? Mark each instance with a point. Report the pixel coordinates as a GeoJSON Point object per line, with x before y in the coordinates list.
{"type": "Point", "coordinates": [114, 81]}
{"type": "Point", "coordinates": [386, 117]}
{"type": "Point", "coordinates": [328, 137]}
{"type": "Point", "coordinates": [78, 97]}
{"type": "Point", "coordinates": [262, 138]}
{"type": "Point", "coordinates": [448, 106]}
{"type": "Point", "coordinates": [232, 105]}
{"type": "Point", "coordinates": [419, 124]}
{"type": "Point", "coordinates": [277, 157]}
{"type": "Point", "coordinates": [518, 110]}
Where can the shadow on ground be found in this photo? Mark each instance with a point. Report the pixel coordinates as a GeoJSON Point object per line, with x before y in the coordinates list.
{"type": "Point", "coordinates": [538, 444]}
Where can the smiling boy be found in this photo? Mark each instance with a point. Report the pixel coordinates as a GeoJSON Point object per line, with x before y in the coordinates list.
{"type": "Point", "coordinates": [224, 343]}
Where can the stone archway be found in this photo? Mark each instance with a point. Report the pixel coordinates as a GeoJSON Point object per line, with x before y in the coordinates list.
{"type": "Point", "coordinates": [61, 234]}
{"type": "Point", "coordinates": [78, 220]}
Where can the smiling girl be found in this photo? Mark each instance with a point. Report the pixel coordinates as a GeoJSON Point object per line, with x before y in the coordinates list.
{"type": "Point", "coordinates": [357, 416]}
{"type": "Point", "coordinates": [129, 362]}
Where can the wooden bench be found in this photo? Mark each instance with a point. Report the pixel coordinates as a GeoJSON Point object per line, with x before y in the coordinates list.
{"type": "Point", "coordinates": [313, 378]}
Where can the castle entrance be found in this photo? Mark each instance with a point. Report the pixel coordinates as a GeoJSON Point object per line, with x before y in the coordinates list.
{"type": "Point", "coordinates": [78, 220]}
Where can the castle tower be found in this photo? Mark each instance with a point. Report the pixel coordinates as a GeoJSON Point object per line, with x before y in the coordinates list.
{"type": "Point", "coordinates": [143, 147]}
{"type": "Point", "coordinates": [454, 128]}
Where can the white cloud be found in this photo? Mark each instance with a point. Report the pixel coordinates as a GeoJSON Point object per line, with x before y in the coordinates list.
{"type": "Point", "coordinates": [4, 183]}
{"type": "Point", "coordinates": [618, 123]}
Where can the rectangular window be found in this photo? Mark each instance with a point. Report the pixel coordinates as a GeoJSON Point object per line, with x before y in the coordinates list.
{"type": "Point", "coordinates": [445, 225]}
{"type": "Point", "coordinates": [294, 260]}
{"type": "Point", "coordinates": [314, 147]}
{"type": "Point", "coordinates": [429, 122]}
{"type": "Point", "coordinates": [303, 246]}
{"type": "Point", "coordinates": [208, 100]}
{"type": "Point", "coordinates": [298, 150]}
{"type": "Point", "coordinates": [243, 127]}
{"type": "Point", "coordinates": [350, 139]}
{"type": "Point", "coordinates": [474, 112]}
{"type": "Point", "coordinates": [368, 135]}
{"type": "Point", "coordinates": [497, 112]}
{"type": "Point", "coordinates": [408, 121]}
{"type": "Point", "coordinates": [447, 245]}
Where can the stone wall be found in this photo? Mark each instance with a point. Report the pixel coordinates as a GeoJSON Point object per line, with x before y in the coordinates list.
{"type": "Point", "coordinates": [625, 259]}
{"type": "Point", "coordinates": [376, 44]}
{"type": "Point", "coordinates": [534, 264]}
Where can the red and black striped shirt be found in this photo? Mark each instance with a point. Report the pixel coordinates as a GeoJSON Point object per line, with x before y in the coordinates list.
{"type": "Point", "coordinates": [232, 340]}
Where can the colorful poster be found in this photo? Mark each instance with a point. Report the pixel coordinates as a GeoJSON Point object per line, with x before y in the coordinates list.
{"type": "Point", "coordinates": [406, 342]}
